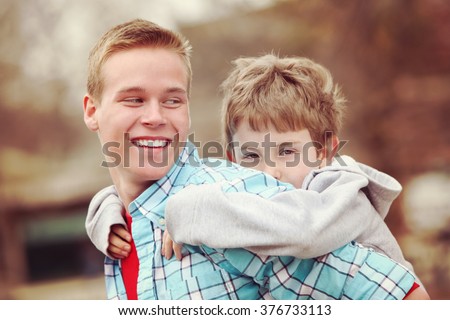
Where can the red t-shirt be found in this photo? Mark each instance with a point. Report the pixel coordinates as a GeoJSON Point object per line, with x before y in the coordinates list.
{"type": "Point", "coordinates": [130, 267]}
{"type": "Point", "coordinates": [414, 287]}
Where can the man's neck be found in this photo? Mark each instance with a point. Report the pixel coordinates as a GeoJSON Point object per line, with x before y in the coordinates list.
{"type": "Point", "coordinates": [127, 190]}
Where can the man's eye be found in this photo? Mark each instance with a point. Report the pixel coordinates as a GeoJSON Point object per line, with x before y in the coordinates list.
{"type": "Point", "coordinates": [172, 103]}
{"type": "Point", "coordinates": [133, 100]}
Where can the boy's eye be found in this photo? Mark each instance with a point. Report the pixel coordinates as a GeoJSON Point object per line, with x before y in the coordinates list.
{"type": "Point", "coordinates": [250, 155]}
{"type": "Point", "coordinates": [287, 152]}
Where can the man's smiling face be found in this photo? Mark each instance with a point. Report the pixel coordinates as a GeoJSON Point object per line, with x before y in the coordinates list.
{"type": "Point", "coordinates": [143, 110]}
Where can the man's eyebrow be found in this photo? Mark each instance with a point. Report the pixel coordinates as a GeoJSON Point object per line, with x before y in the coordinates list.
{"type": "Point", "coordinates": [176, 90]}
{"type": "Point", "coordinates": [131, 89]}
{"type": "Point", "coordinates": [140, 89]}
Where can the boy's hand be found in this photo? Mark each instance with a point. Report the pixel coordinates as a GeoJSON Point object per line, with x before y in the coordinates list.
{"type": "Point", "coordinates": [119, 242]}
{"type": "Point", "coordinates": [167, 246]}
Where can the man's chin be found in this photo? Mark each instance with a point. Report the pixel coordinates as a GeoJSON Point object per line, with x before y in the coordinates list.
{"type": "Point", "coordinates": [148, 166]}
{"type": "Point", "coordinates": [147, 176]}
{"type": "Point", "coordinates": [151, 158]}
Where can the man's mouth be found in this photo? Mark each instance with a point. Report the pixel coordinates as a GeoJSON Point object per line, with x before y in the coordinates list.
{"type": "Point", "coordinates": [150, 143]}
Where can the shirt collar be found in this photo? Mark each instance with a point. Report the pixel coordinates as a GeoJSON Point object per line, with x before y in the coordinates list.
{"type": "Point", "coordinates": [151, 203]}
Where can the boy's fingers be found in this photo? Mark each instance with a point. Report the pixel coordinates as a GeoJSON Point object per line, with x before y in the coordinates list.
{"type": "Point", "coordinates": [116, 252]}
{"type": "Point", "coordinates": [117, 256]}
{"type": "Point", "coordinates": [163, 251]}
{"type": "Point", "coordinates": [119, 243]}
{"type": "Point", "coordinates": [167, 246]}
{"type": "Point", "coordinates": [120, 231]}
{"type": "Point", "coordinates": [172, 247]}
{"type": "Point", "coordinates": [177, 250]}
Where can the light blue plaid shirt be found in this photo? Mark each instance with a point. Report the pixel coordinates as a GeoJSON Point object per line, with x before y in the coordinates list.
{"type": "Point", "coordinates": [351, 272]}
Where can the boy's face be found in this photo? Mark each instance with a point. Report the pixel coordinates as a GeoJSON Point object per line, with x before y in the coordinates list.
{"type": "Point", "coordinates": [287, 156]}
{"type": "Point", "coordinates": [143, 113]}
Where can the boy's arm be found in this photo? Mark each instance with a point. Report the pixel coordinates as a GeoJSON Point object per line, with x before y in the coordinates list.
{"type": "Point", "coordinates": [105, 210]}
{"type": "Point", "coordinates": [300, 223]}
{"type": "Point", "coordinates": [350, 272]}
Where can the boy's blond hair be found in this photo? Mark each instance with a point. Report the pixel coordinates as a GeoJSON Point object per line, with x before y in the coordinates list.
{"type": "Point", "coordinates": [292, 94]}
{"type": "Point", "coordinates": [137, 33]}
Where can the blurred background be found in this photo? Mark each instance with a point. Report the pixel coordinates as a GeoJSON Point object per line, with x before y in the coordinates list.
{"type": "Point", "coordinates": [392, 59]}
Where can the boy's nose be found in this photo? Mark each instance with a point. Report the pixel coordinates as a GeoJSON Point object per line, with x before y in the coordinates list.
{"type": "Point", "coordinates": [272, 170]}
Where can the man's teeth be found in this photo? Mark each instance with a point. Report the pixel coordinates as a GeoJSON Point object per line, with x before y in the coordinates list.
{"type": "Point", "coordinates": [151, 143]}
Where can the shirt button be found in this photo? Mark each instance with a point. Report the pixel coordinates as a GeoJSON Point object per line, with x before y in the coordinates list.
{"type": "Point", "coordinates": [162, 222]}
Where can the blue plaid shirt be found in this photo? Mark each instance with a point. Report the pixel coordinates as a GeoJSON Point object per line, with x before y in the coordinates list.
{"type": "Point", "coordinates": [351, 272]}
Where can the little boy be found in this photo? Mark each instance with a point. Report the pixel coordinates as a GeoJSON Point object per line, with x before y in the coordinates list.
{"type": "Point", "coordinates": [295, 103]}
{"type": "Point", "coordinates": [277, 112]}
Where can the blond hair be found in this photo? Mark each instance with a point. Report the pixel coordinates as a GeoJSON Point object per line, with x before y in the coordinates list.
{"type": "Point", "coordinates": [292, 94]}
{"type": "Point", "coordinates": [133, 34]}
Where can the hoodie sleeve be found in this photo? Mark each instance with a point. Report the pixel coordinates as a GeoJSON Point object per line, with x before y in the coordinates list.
{"type": "Point", "coordinates": [299, 223]}
{"type": "Point", "coordinates": [381, 189]}
{"type": "Point", "coordinates": [105, 210]}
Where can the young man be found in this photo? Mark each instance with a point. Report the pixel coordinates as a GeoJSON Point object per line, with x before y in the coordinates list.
{"type": "Point", "coordinates": [137, 102]}
{"type": "Point", "coordinates": [138, 85]}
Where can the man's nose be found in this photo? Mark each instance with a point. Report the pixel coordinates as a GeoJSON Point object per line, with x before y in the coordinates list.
{"type": "Point", "coordinates": [153, 115]}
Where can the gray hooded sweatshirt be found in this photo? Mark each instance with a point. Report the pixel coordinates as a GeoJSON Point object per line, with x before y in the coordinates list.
{"type": "Point", "coordinates": [346, 201]}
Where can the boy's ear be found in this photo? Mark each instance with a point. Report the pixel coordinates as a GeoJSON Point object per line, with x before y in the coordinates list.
{"type": "Point", "coordinates": [329, 151]}
{"type": "Point", "coordinates": [334, 147]}
{"type": "Point", "coordinates": [230, 156]}
{"type": "Point", "coordinates": [90, 115]}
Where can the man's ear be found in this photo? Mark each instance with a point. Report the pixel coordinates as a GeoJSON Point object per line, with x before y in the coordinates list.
{"type": "Point", "coordinates": [90, 115]}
